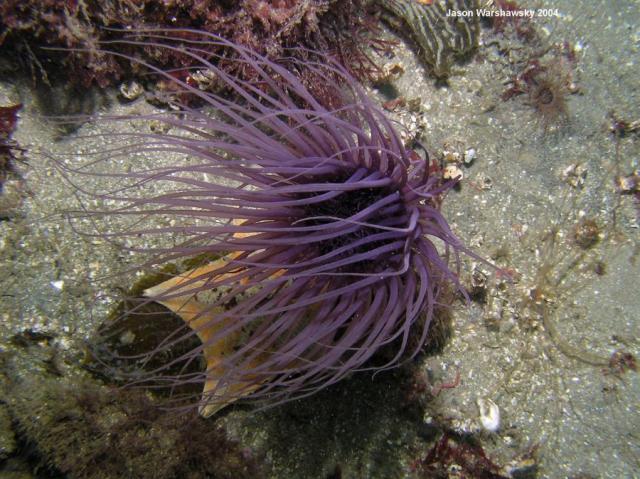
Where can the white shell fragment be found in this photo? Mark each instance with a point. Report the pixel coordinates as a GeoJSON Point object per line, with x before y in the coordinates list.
{"type": "Point", "coordinates": [57, 285]}
{"type": "Point", "coordinates": [131, 90]}
{"type": "Point", "coordinates": [489, 414]}
{"type": "Point", "coordinates": [469, 156]}
{"type": "Point", "coordinates": [451, 156]}
{"type": "Point", "coordinates": [452, 171]}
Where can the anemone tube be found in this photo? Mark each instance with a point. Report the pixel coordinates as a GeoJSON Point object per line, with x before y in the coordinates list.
{"type": "Point", "coordinates": [329, 227]}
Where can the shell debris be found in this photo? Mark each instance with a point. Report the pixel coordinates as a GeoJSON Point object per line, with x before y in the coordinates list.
{"type": "Point", "coordinates": [489, 414]}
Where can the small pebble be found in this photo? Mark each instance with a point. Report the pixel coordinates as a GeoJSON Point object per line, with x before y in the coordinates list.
{"type": "Point", "coordinates": [628, 184]}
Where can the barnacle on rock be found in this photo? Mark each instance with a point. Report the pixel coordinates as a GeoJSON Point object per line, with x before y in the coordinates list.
{"type": "Point", "coordinates": [441, 39]}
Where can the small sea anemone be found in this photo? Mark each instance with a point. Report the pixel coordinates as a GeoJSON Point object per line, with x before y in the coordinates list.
{"type": "Point", "coordinates": [329, 240]}
{"type": "Point", "coordinates": [548, 90]}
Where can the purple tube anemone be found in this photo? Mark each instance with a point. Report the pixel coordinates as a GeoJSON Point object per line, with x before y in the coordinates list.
{"type": "Point", "coordinates": [324, 224]}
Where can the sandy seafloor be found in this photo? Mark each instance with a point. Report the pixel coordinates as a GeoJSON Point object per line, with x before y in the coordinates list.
{"type": "Point", "coordinates": [578, 419]}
